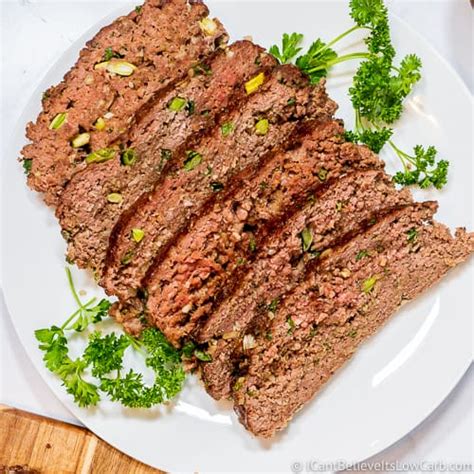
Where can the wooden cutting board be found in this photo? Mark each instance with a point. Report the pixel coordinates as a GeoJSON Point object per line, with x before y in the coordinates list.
{"type": "Point", "coordinates": [32, 443]}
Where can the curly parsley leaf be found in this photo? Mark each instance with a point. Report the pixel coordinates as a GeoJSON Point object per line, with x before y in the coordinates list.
{"type": "Point", "coordinates": [422, 169]}
{"type": "Point", "coordinates": [374, 139]}
{"type": "Point", "coordinates": [290, 47]}
{"type": "Point", "coordinates": [103, 358]}
{"type": "Point", "coordinates": [317, 61]}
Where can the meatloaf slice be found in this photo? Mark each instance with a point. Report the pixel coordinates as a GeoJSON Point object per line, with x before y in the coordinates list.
{"type": "Point", "coordinates": [338, 212]}
{"type": "Point", "coordinates": [86, 212]}
{"type": "Point", "coordinates": [118, 71]}
{"type": "Point", "coordinates": [243, 138]}
{"type": "Point", "coordinates": [183, 286]}
{"type": "Point", "coordinates": [318, 326]}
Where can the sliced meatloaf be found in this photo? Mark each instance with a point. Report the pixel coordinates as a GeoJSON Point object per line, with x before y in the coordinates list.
{"type": "Point", "coordinates": [118, 71]}
{"type": "Point", "coordinates": [183, 286]}
{"type": "Point", "coordinates": [243, 138]}
{"type": "Point", "coordinates": [338, 212]}
{"type": "Point", "coordinates": [345, 300]}
{"type": "Point", "coordinates": [87, 213]}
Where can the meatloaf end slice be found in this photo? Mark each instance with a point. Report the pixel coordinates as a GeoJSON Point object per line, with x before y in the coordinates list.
{"type": "Point", "coordinates": [345, 208]}
{"type": "Point", "coordinates": [319, 326]}
{"type": "Point", "coordinates": [117, 72]}
{"type": "Point", "coordinates": [87, 213]}
{"type": "Point", "coordinates": [264, 122]}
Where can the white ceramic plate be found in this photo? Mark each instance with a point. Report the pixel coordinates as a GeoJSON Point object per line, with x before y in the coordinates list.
{"type": "Point", "coordinates": [394, 382]}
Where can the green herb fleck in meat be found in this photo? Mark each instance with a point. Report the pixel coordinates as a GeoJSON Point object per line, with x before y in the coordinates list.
{"type": "Point", "coordinates": [177, 104]}
{"type": "Point", "coordinates": [262, 127]}
{"type": "Point", "coordinates": [27, 165]}
{"type": "Point", "coordinates": [127, 258]}
{"type": "Point", "coordinates": [273, 306]}
{"type": "Point", "coordinates": [361, 254]}
{"type": "Point", "coordinates": [101, 156]}
{"type": "Point", "coordinates": [369, 284]}
{"type": "Point", "coordinates": [58, 121]}
{"type": "Point", "coordinates": [202, 356]}
{"type": "Point", "coordinates": [138, 235]}
{"type": "Point", "coordinates": [227, 128]}
{"type": "Point", "coordinates": [322, 174]}
{"type": "Point", "coordinates": [412, 236]}
{"type": "Point", "coordinates": [193, 160]}
{"type": "Point", "coordinates": [306, 239]}
{"type": "Point", "coordinates": [129, 157]}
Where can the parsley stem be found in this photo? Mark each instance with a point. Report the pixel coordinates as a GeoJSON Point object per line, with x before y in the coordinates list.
{"type": "Point", "coordinates": [340, 37]}
{"type": "Point", "coordinates": [72, 287]}
{"type": "Point", "coordinates": [340, 59]}
{"type": "Point", "coordinates": [76, 313]}
{"type": "Point", "coordinates": [404, 157]}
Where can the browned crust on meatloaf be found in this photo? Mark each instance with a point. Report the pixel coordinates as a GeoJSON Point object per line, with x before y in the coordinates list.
{"type": "Point", "coordinates": [284, 100]}
{"type": "Point", "coordinates": [163, 40]}
{"type": "Point", "coordinates": [318, 326]}
{"type": "Point", "coordinates": [85, 214]}
{"type": "Point", "coordinates": [183, 286]}
{"type": "Point", "coordinates": [339, 212]}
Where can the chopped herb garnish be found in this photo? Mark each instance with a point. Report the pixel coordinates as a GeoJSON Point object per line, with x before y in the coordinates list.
{"type": "Point", "coordinates": [177, 104]}
{"type": "Point", "coordinates": [188, 350]}
{"type": "Point", "coordinates": [273, 306]}
{"type": "Point", "coordinates": [268, 336]}
{"type": "Point", "coordinates": [254, 83]}
{"type": "Point", "coordinates": [138, 235]}
{"type": "Point", "coordinates": [227, 128]}
{"type": "Point", "coordinates": [291, 101]}
{"type": "Point", "coordinates": [127, 258]}
{"type": "Point", "coordinates": [252, 244]}
{"type": "Point", "coordinates": [100, 156]}
{"type": "Point", "coordinates": [291, 325]}
{"type": "Point", "coordinates": [262, 127]}
{"type": "Point", "coordinates": [339, 206]}
{"type": "Point", "coordinates": [27, 165]}
{"type": "Point", "coordinates": [238, 384]}
{"type": "Point", "coordinates": [368, 285]}
{"type": "Point", "coordinates": [138, 9]}
{"type": "Point", "coordinates": [100, 124]}
{"type": "Point", "coordinates": [58, 121]}
{"type": "Point", "coordinates": [241, 261]}
{"type": "Point", "coordinates": [202, 356]}
{"type": "Point", "coordinates": [360, 255]}
{"type": "Point", "coordinates": [115, 198]}
{"type": "Point", "coordinates": [412, 236]}
{"type": "Point", "coordinates": [352, 333]}
{"type": "Point", "coordinates": [110, 54]}
{"type": "Point", "coordinates": [306, 239]}
{"type": "Point", "coordinates": [129, 157]}
{"type": "Point", "coordinates": [216, 186]}
{"type": "Point", "coordinates": [208, 26]}
{"type": "Point", "coordinates": [323, 174]}
{"type": "Point", "coordinates": [120, 67]}
{"type": "Point", "coordinates": [80, 140]}
{"type": "Point", "coordinates": [201, 68]}
{"type": "Point", "coordinates": [193, 160]}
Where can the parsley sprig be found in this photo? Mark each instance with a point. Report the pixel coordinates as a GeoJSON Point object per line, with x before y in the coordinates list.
{"type": "Point", "coordinates": [379, 88]}
{"type": "Point", "coordinates": [101, 366]}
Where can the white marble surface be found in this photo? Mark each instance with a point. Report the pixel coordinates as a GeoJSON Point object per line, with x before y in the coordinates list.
{"type": "Point", "coordinates": [33, 35]}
